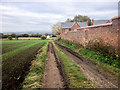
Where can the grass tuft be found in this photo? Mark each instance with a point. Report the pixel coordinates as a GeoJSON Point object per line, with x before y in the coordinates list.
{"type": "Point", "coordinates": [34, 78]}
{"type": "Point", "coordinates": [108, 64]}
{"type": "Point", "coordinates": [74, 74]}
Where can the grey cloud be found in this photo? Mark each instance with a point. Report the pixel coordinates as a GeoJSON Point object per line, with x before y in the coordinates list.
{"type": "Point", "coordinates": [42, 15]}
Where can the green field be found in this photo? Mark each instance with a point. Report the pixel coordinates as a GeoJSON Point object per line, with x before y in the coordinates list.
{"type": "Point", "coordinates": [24, 62]}
{"type": "Point", "coordinates": [16, 59]}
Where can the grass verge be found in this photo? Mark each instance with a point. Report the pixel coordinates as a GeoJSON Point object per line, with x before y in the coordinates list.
{"type": "Point", "coordinates": [74, 74]}
{"type": "Point", "coordinates": [97, 59]}
{"type": "Point", "coordinates": [94, 57]}
{"type": "Point", "coordinates": [34, 77]}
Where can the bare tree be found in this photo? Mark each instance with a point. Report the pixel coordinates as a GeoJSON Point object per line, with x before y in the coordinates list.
{"type": "Point", "coordinates": [56, 28]}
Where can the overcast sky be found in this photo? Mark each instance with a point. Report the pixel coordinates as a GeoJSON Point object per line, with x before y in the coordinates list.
{"type": "Point", "coordinates": [39, 16]}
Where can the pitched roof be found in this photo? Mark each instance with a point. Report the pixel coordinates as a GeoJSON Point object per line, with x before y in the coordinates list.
{"type": "Point", "coordinates": [82, 24]}
{"type": "Point", "coordinates": [106, 24]}
{"type": "Point", "coordinates": [67, 25]}
{"type": "Point", "coordinates": [97, 22]}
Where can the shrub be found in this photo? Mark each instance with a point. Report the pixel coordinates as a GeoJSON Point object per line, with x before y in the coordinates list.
{"type": "Point", "coordinates": [10, 37]}
{"type": "Point", "coordinates": [59, 39]}
{"type": "Point", "coordinates": [105, 49]}
{"type": "Point", "coordinates": [71, 43]}
{"type": "Point", "coordinates": [96, 50]}
{"type": "Point", "coordinates": [43, 37]}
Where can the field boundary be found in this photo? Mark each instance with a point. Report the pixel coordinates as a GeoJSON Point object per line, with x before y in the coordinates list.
{"type": "Point", "coordinates": [87, 67]}
{"type": "Point", "coordinates": [34, 78]}
{"type": "Point", "coordinates": [28, 69]}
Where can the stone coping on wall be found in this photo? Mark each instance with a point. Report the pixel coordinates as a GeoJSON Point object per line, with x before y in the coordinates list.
{"type": "Point", "coordinates": [68, 32]}
{"type": "Point", "coordinates": [94, 26]}
{"type": "Point", "coordinates": [116, 17]}
{"type": "Point", "coordinates": [100, 25]}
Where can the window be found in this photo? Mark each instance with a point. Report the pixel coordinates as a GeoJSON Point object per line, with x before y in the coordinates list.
{"type": "Point", "coordinates": [67, 30]}
{"type": "Point", "coordinates": [75, 29]}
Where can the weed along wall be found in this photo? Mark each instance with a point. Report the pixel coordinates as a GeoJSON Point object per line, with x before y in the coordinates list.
{"type": "Point", "coordinates": [107, 33]}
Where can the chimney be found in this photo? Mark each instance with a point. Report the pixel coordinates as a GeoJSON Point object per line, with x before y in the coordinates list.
{"type": "Point", "coordinates": [87, 22]}
{"type": "Point", "coordinates": [108, 21]}
{"type": "Point", "coordinates": [92, 23]}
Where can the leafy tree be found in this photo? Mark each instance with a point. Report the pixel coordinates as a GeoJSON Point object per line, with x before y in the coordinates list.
{"type": "Point", "coordinates": [89, 23]}
{"type": "Point", "coordinates": [40, 35]}
{"type": "Point", "coordinates": [46, 34]}
{"type": "Point", "coordinates": [20, 35]}
{"type": "Point", "coordinates": [13, 35]}
{"type": "Point", "coordinates": [78, 18]}
{"type": "Point", "coordinates": [68, 20]}
{"type": "Point", "coordinates": [53, 35]}
{"type": "Point", "coordinates": [32, 35]}
{"type": "Point", "coordinates": [36, 35]}
{"type": "Point", "coordinates": [56, 28]}
{"type": "Point", "coordinates": [1, 34]}
{"type": "Point", "coordinates": [43, 37]}
{"type": "Point", "coordinates": [4, 36]}
{"type": "Point", "coordinates": [10, 37]}
{"type": "Point", "coordinates": [16, 37]}
{"type": "Point", "coordinates": [25, 35]}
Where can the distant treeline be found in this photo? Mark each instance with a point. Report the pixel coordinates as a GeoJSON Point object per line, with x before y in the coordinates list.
{"type": "Point", "coordinates": [23, 35]}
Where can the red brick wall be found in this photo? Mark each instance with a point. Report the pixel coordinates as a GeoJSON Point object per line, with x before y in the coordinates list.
{"type": "Point", "coordinates": [63, 30]}
{"type": "Point", "coordinates": [119, 35]}
{"type": "Point", "coordinates": [107, 33]}
{"type": "Point", "coordinates": [75, 26]}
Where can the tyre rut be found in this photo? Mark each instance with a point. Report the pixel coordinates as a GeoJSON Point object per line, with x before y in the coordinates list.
{"type": "Point", "coordinates": [89, 69]}
{"type": "Point", "coordinates": [53, 76]}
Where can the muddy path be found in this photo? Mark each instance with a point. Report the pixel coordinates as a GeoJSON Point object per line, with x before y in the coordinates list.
{"type": "Point", "coordinates": [52, 77]}
{"type": "Point", "coordinates": [89, 69]}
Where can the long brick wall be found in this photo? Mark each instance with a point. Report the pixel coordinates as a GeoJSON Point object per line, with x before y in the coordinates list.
{"type": "Point", "coordinates": [108, 33]}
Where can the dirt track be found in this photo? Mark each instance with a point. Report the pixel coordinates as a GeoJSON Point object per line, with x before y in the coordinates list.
{"type": "Point", "coordinates": [52, 77]}
{"type": "Point", "coordinates": [89, 69]}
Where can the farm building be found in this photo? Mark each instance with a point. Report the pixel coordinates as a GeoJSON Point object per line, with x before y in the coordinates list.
{"type": "Point", "coordinates": [98, 22]}
{"type": "Point", "coordinates": [48, 36]}
{"type": "Point", "coordinates": [106, 31]}
{"type": "Point", "coordinates": [73, 26]}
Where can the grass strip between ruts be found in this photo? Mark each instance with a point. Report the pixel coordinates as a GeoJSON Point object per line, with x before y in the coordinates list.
{"type": "Point", "coordinates": [74, 74]}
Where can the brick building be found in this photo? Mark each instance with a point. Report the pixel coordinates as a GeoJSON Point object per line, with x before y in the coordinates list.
{"type": "Point", "coordinates": [73, 26]}
{"type": "Point", "coordinates": [108, 32]}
